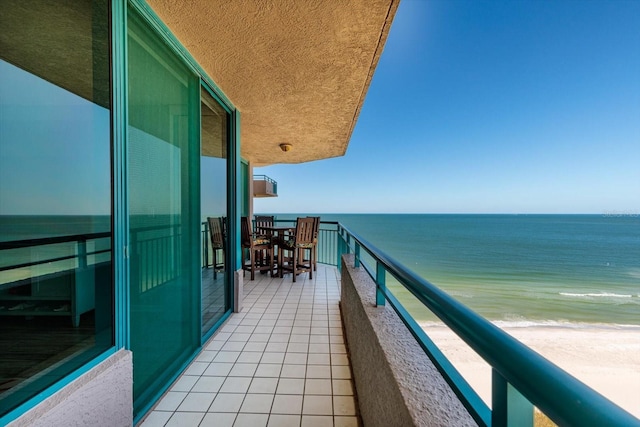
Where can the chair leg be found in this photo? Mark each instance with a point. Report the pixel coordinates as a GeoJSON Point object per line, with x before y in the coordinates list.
{"type": "Point", "coordinates": [311, 260]}
{"type": "Point", "coordinates": [295, 264]}
{"type": "Point", "coordinates": [244, 270]}
{"type": "Point", "coordinates": [252, 258]}
{"type": "Point", "coordinates": [275, 261]}
{"type": "Point", "coordinates": [270, 255]}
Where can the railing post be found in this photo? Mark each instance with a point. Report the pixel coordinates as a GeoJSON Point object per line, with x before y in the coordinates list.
{"type": "Point", "coordinates": [380, 284]}
{"type": "Point", "coordinates": [82, 254]}
{"type": "Point", "coordinates": [339, 248]}
{"type": "Point", "coordinates": [84, 277]}
{"type": "Point", "coordinates": [356, 260]}
{"type": "Point", "coordinates": [509, 407]}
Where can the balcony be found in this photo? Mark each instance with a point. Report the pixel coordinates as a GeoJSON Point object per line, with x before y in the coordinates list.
{"type": "Point", "coordinates": [263, 186]}
{"type": "Point", "coordinates": [341, 350]}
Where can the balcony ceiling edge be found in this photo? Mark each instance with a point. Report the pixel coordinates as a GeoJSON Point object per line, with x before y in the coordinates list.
{"type": "Point", "coordinates": [298, 71]}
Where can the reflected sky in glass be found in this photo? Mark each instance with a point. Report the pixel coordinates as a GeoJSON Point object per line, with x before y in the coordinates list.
{"type": "Point", "coordinates": [54, 149]}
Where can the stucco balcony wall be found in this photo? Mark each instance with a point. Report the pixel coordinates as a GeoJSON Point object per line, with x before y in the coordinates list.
{"type": "Point", "coordinates": [102, 396]}
{"type": "Point", "coordinates": [396, 383]}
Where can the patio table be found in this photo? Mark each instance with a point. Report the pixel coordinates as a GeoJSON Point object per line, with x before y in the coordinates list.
{"type": "Point", "coordinates": [278, 232]}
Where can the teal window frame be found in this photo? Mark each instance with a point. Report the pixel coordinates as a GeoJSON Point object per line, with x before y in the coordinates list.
{"type": "Point", "coordinates": [244, 195]}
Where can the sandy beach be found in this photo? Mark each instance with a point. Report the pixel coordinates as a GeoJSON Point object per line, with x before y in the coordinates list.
{"type": "Point", "coordinates": [606, 359]}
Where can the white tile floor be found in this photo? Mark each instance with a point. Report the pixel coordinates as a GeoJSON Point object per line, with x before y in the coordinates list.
{"type": "Point", "coordinates": [281, 362]}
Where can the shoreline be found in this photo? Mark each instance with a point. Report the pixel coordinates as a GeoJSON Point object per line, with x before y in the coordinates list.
{"type": "Point", "coordinates": [604, 357]}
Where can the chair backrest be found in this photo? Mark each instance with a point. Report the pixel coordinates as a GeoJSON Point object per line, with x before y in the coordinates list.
{"type": "Point", "coordinates": [246, 230]}
{"type": "Point", "coordinates": [316, 226]}
{"type": "Point", "coordinates": [223, 221]}
{"type": "Point", "coordinates": [264, 221]}
{"type": "Point", "coordinates": [216, 232]}
{"type": "Point", "coordinates": [304, 230]}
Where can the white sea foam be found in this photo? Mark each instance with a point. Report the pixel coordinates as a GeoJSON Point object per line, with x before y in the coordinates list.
{"type": "Point", "coordinates": [596, 295]}
{"type": "Point", "coordinates": [503, 324]}
{"type": "Point", "coordinates": [526, 323]}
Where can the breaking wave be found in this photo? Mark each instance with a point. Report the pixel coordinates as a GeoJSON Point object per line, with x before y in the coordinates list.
{"type": "Point", "coordinates": [596, 295]}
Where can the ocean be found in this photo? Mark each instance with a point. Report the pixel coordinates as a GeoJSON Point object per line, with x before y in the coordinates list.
{"type": "Point", "coordinates": [516, 270]}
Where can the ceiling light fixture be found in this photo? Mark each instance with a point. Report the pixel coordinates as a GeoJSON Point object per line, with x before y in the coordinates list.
{"type": "Point", "coordinates": [286, 147]}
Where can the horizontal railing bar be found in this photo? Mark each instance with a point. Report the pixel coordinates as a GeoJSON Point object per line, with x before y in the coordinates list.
{"type": "Point", "coordinates": [31, 264]}
{"type": "Point", "coordinates": [49, 260]}
{"type": "Point", "coordinates": [16, 244]}
{"type": "Point", "coordinates": [560, 396]}
{"type": "Point", "coordinates": [138, 230]}
{"type": "Point", "coordinates": [263, 178]}
{"type": "Point", "coordinates": [293, 220]}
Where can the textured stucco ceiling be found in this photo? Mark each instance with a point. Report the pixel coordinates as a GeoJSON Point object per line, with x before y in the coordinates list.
{"type": "Point", "coordinates": [298, 71]}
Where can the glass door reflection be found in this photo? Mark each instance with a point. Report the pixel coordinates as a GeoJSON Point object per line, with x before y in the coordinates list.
{"type": "Point", "coordinates": [213, 187]}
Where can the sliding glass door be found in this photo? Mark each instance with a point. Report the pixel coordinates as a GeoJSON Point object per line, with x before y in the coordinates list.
{"type": "Point", "coordinates": [164, 211]}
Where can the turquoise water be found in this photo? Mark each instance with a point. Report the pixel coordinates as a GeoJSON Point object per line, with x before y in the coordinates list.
{"type": "Point", "coordinates": [518, 270]}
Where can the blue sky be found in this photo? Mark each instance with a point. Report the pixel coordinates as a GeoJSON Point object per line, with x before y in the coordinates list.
{"type": "Point", "coordinates": [490, 107]}
{"type": "Point", "coordinates": [54, 155]}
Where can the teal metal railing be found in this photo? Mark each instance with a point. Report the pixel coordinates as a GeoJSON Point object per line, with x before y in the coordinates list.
{"type": "Point", "coordinates": [521, 378]}
{"type": "Point", "coordinates": [153, 260]}
{"type": "Point", "coordinates": [57, 254]}
{"type": "Point", "coordinates": [327, 239]}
